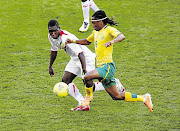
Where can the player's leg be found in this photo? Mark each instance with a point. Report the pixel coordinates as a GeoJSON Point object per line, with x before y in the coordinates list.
{"type": "Point", "coordinates": [93, 6]}
{"type": "Point", "coordinates": [71, 71]}
{"type": "Point", "coordinates": [130, 97]}
{"type": "Point", "coordinates": [146, 99]}
{"type": "Point", "coordinates": [98, 73]}
{"type": "Point", "coordinates": [113, 92]}
{"type": "Point", "coordinates": [98, 86]}
{"type": "Point", "coordinates": [68, 77]}
{"type": "Point", "coordinates": [85, 9]}
{"type": "Point", "coordinates": [107, 73]}
{"type": "Point", "coordinates": [126, 96]}
{"type": "Point", "coordinates": [74, 92]}
{"type": "Point", "coordinates": [88, 78]}
{"type": "Point", "coordinates": [90, 65]}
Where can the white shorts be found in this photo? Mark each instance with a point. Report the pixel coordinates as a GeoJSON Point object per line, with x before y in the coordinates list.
{"type": "Point", "coordinates": [76, 68]}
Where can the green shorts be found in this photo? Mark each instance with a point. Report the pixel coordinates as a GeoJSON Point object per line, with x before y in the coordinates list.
{"type": "Point", "coordinates": [106, 72]}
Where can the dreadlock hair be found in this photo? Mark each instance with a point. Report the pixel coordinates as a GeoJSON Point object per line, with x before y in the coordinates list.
{"type": "Point", "coordinates": [53, 23]}
{"type": "Point", "coordinates": [100, 14]}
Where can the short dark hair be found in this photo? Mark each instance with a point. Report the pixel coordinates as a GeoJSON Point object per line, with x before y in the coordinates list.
{"type": "Point", "coordinates": [100, 14]}
{"type": "Point", "coordinates": [53, 23]}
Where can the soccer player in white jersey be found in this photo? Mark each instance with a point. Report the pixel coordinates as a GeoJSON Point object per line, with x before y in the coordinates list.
{"type": "Point", "coordinates": [86, 6]}
{"type": "Point", "coordinates": [82, 61]}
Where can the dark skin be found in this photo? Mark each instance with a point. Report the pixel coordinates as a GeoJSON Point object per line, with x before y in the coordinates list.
{"type": "Point", "coordinates": [68, 77]}
{"type": "Point", "coordinates": [112, 91]}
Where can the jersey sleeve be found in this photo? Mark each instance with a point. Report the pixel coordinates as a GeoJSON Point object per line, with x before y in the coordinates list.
{"type": "Point", "coordinates": [54, 46]}
{"type": "Point", "coordinates": [114, 32]}
{"type": "Point", "coordinates": [72, 49]}
{"type": "Point", "coordinates": [70, 36]}
{"type": "Point", "coordinates": [91, 37]}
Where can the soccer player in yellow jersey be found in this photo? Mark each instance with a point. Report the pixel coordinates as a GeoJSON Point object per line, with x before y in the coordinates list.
{"type": "Point", "coordinates": [104, 37]}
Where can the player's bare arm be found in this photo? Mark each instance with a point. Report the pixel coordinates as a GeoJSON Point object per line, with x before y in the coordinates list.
{"type": "Point", "coordinates": [119, 38]}
{"type": "Point", "coordinates": [51, 61]}
{"type": "Point", "coordinates": [81, 42]}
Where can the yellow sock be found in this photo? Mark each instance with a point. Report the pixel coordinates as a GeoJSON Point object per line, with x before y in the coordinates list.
{"type": "Point", "coordinates": [133, 97]}
{"type": "Point", "coordinates": [89, 91]}
{"type": "Point", "coordinates": [130, 97]}
{"type": "Point", "coordinates": [140, 98]}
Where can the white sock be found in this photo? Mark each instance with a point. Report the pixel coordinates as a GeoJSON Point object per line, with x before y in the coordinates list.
{"type": "Point", "coordinates": [74, 92]}
{"type": "Point", "coordinates": [93, 6]}
{"type": "Point", "coordinates": [85, 9]}
{"type": "Point", "coordinates": [98, 86]}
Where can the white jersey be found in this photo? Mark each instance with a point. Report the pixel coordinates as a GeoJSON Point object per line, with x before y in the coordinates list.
{"type": "Point", "coordinates": [73, 50]}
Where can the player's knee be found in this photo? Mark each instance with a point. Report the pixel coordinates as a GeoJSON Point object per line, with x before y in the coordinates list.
{"type": "Point", "coordinates": [87, 78]}
{"type": "Point", "coordinates": [89, 83]}
{"type": "Point", "coordinates": [83, 0]}
{"type": "Point", "coordinates": [67, 81]}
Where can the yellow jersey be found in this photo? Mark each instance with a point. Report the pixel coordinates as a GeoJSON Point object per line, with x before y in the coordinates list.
{"type": "Point", "coordinates": [103, 54]}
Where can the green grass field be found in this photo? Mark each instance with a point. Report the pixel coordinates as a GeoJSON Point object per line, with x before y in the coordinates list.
{"type": "Point", "coordinates": [147, 61]}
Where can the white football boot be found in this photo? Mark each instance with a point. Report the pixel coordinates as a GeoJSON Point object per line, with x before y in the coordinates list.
{"type": "Point", "coordinates": [84, 27]}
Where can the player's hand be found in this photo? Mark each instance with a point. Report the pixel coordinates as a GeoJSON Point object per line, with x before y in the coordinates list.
{"type": "Point", "coordinates": [68, 41]}
{"type": "Point", "coordinates": [84, 71]}
{"type": "Point", "coordinates": [51, 71]}
{"type": "Point", "coordinates": [83, 74]}
{"type": "Point", "coordinates": [108, 44]}
{"type": "Point", "coordinates": [63, 46]}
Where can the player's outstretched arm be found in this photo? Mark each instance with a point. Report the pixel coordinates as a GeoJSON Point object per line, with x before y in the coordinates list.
{"type": "Point", "coordinates": [81, 42]}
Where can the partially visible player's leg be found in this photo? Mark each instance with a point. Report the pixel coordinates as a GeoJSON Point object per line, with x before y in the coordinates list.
{"type": "Point", "coordinates": [85, 9]}
{"type": "Point", "coordinates": [119, 86]}
{"type": "Point", "coordinates": [74, 92]}
{"type": "Point", "coordinates": [68, 77]}
{"type": "Point", "coordinates": [130, 97]}
{"type": "Point", "coordinates": [98, 86]}
{"type": "Point", "coordinates": [89, 86]}
{"type": "Point", "coordinates": [146, 99]}
{"type": "Point", "coordinates": [71, 71]}
{"type": "Point", "coordinates": [148, 102]}
{"type": "Point", "coordinates": [126, 96]}
{"type": "Point", "coordinates": [114, 93]}
{"type": "Point", "coordinates": [90, 65]}
{"type": "Point", "coordinates": [93, 6]}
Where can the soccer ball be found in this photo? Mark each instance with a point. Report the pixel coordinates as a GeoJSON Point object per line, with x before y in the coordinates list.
{"type": "Point", "coordinates": [61, 89]}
